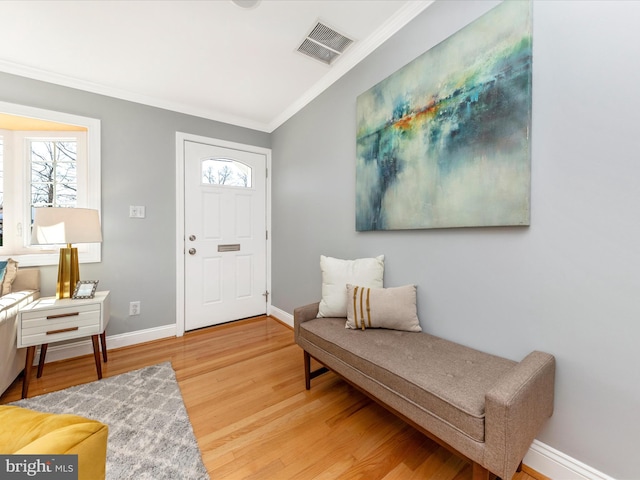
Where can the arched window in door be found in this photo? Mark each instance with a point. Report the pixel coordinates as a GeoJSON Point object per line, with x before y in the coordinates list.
{"type": "Point", "coordinates": [225, 172]}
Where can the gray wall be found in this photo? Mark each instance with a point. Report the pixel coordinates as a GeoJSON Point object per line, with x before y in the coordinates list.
{"type": "Point", "coordinates": [568, 284]}
{"type": "Point", "coordinates": [138, 168]}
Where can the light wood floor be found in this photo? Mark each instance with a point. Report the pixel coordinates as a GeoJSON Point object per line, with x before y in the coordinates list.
{"type": "Point", "coordinates": [243, 386]}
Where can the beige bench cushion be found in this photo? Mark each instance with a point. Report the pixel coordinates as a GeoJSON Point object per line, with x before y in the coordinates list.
{"type": "Point", "coordinates": [445, 378]}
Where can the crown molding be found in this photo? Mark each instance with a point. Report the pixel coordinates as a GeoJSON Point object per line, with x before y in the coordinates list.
{"type": "Point", "coordinates": [358, 52]}
{"type": "Point", "coordinates": [92, 87]}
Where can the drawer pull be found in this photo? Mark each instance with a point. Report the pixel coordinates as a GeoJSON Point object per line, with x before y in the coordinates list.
{"type": "Point", "coordinates": [62, 330]}
{"type": "Point", "coordinates": [62, 315]}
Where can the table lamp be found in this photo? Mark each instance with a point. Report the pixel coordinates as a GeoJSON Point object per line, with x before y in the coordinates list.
{"type": "Point", "coordinates": [64, 225]}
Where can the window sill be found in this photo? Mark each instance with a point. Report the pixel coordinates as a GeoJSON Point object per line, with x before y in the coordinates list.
{"type": "Point", "coordinates": [88, 253]}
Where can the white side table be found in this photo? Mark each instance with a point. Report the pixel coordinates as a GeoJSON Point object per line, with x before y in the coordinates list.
{"type": "Point", "coordinates": [49, 320]}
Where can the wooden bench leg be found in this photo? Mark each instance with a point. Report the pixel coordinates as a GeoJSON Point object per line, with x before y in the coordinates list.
{"type": "Point", "coordinates": [308, 374]}
{"type": "Point", "coordinates": [307, 370]}
{"type": "Point", "coordinates": [479, 472]}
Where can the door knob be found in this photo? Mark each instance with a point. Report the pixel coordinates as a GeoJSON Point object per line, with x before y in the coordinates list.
{"type": "Point", "coordinates": [192, 251]}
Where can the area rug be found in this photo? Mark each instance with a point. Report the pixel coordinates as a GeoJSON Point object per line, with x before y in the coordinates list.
{"type": "Point", "coordinates": [150, 435]}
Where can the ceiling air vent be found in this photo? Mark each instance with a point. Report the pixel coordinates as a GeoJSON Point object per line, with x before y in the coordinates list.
{"type": "Point", "coordinates": [324, 44]}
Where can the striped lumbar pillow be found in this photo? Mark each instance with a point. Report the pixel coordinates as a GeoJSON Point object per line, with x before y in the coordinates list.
{"type": "Point", "coordinates": [393, 308]}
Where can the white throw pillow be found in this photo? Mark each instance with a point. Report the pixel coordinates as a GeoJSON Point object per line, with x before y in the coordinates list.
{"type": "Point", "coordinates": [393, 308]}
{"type": "Point", "coordinates": [337, 273]}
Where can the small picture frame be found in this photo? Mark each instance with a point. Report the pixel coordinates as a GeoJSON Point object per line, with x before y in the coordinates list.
{"type": "Point", "coordinates": [85, 289]}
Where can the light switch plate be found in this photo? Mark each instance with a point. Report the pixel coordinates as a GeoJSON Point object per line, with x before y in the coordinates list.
{"type": "Point", "coordinates": [136, 211]}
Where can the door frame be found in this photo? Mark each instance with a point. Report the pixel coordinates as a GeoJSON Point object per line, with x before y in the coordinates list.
{"type": "Point", "coordinates": [181, 137]}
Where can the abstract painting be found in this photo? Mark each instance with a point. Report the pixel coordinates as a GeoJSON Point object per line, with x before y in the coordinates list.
{"type": "Point", "coordinates": [445, 141]}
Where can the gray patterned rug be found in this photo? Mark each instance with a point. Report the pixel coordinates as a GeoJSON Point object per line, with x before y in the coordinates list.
{"type": "Point", "coordinates": [150, 435]}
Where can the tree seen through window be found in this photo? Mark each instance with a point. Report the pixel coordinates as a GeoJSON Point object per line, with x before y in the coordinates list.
{"type": "Point", "coordinates": [224, 171]}
{"type": "Point", "coordinates": [54, 179]}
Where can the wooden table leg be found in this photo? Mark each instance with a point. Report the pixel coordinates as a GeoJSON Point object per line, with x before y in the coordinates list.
{"type": "Point", "coordinates": [31, 351]}
{"type": "Point", "coordinates": [43, 355]}
{"type": "Point", "coordinates": [103, 341]}
{"type": "Point", "coordinates": [96, 355]}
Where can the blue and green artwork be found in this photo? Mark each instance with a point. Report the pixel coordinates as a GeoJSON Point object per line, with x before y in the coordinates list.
{"type": "Point", "coordinates": [445, 141]}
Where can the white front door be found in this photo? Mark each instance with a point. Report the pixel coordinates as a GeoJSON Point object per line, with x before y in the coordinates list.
{"type": "Point", "coordinates": [225, 234]}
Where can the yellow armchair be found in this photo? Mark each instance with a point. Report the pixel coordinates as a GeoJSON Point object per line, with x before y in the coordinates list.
{"type": "Point", "coordinates": [27, 432]}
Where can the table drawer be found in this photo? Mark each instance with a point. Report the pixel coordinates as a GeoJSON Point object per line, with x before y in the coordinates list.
{"type": "Point", "coordinates": [59, 332]}
{"type": "Point", "coordinates": [56, 324]}
{"type": "Point", "coordinates": [30, 318]}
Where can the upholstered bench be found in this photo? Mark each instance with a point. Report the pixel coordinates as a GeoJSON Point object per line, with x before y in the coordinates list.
{"type": "Point", "coordinates": [483, 407]}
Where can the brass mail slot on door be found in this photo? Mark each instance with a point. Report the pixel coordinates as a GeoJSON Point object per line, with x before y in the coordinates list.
{"type": "Point", "coordinates": [230, 247]}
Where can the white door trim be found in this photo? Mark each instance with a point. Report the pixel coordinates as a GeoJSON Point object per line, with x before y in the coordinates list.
{"type": "Point", "coordinates": [180, 240]}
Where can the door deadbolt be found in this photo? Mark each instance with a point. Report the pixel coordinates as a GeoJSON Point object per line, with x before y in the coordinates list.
{"type": "Point", "coordinates": [192, 237]}
{"type": "Point", "coordinates": [192, 251]}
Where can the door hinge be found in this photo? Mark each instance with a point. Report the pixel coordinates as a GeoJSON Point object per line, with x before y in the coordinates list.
{"type": "Point", "coordinates": [266, 234]}
{"type": "Point", "coordinates": [266, 296]}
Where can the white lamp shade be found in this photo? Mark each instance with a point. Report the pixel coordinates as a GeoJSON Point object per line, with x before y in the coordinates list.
{"type": "Point", "coordinates": [57, 225]}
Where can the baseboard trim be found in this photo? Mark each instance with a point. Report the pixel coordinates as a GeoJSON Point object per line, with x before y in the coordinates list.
{"type": "Point", "coordinates": [559, 466]}
{"type": "Point", "coordinates": [281, 315]}
{"type": "Point", "coordinates": [85, 346]}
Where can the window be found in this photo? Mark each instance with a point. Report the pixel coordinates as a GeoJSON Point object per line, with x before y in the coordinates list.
{"type": "Point", "coordinates": [227, 172]}
{"type": "Point", "coordinates": [46, 159]}
{"type": "Point", "coordinates": [54, 180]}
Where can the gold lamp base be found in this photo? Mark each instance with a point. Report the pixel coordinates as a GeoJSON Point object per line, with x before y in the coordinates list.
{"type": "Point", "coordinates": [68, 272]}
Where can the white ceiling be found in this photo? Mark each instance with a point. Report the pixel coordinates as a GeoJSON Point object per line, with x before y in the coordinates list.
{"type": "Point", "coordinates": [208, 58]}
